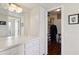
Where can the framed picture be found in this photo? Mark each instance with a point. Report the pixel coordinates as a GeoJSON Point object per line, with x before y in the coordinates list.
{"type": "Point", "coordinates": [73, 19]}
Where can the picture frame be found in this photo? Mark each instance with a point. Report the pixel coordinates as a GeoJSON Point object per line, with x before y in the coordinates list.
{"type": "Point", "coordinates": [73, 19]}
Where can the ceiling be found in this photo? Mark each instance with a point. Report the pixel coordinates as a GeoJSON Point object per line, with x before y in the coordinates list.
{"type": "Point", "coordinates": [53, 12]}
{"type": "Point", "coordinates": [45, 5]}
{"type": "Point", "coordinates": [49, 5]}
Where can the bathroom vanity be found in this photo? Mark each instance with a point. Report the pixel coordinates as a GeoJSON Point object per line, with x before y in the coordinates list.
{"type": "Point", "coordinates": [19, 46]}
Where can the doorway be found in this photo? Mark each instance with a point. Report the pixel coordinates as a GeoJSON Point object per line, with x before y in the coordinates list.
{"type": "Point", "coordinates": [54, 32]}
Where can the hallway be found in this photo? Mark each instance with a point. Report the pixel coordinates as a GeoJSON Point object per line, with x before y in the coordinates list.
{"type": "Point", "coordinates": [56, 50]}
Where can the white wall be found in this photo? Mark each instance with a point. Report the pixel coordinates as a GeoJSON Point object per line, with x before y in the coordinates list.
{"type": "Point", "coordinates": [70, 33]}
{"type": "Point", "coordinates": [25, 19]}
{"type": "Point", "coordinates": [34, 30]}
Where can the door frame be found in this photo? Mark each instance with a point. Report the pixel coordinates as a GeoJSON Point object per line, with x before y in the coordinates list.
{"type": "Point", "coordinates": [53, 8]}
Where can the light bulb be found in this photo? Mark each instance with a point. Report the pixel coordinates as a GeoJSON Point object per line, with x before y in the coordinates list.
{"type": "Point", "coordinates": [11, 7]}
{"type": "Point", "coordinates": [58, 9]}
{"type": "Point", "coordinates": [18, 10]}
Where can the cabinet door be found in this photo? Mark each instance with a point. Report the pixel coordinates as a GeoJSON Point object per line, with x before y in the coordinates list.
{"type": "Point", "coordinates": [32, 47]}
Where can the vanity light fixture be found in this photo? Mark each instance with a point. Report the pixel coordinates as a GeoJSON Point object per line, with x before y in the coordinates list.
{"type": "Point", "coordinates": [13, 7]}
{"type": "Point", "coordinates": [58, 9]}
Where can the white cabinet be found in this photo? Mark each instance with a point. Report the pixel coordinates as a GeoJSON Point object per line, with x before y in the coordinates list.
{"type": "Point", "coordinates": [37, 30]}
{"type": "Point", "coordinates": [16, 50]}
{"type": "Point", "coordinates": [32, 47]}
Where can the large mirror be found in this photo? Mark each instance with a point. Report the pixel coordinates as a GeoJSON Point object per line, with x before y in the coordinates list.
{"type": "Point", "coordinates": [9, 24]}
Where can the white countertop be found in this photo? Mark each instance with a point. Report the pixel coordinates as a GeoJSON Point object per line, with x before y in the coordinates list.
{"type": "Point", "coordinates": [9, 42]}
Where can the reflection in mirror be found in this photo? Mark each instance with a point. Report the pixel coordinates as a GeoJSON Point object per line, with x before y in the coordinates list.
{"type": "Point", "coordinates": [12, 26]}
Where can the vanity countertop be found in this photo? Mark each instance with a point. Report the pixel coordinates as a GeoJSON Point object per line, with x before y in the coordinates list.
{"type": "Point", "coordinates": [9, 42]}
